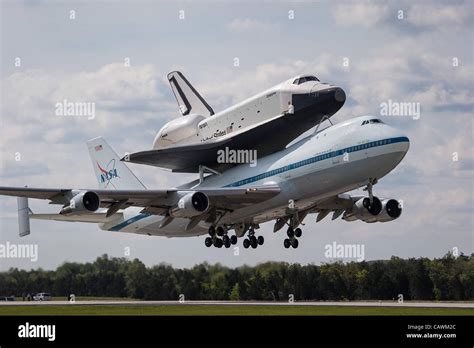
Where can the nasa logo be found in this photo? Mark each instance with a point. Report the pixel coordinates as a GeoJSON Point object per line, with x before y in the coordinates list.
{"type": "Point", "coordinates": [109, 173]}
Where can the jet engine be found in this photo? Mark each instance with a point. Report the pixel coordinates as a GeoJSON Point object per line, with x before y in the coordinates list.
{"type": "Point", "coordinates": [391, 210]}
{"type": "Point", "coordinates": [364, 210]}
{"type": "Point", "coordinates": [82, 203]}
{"type": "Point", "coordinates": [378, 211]}
{"type": "Point", "coordinates": [190, 205]}
{"type": "Point", "coordinates": [178, 131]}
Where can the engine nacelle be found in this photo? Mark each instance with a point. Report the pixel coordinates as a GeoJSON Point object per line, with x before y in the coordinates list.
{"type": "Point", "coordinates": [364, 210]}
{"type": "Point", "coordinates": [391, 210]}
{"type": "Point", "coordinates": [83, 202]}
{"type": "Point", "coordinates": [190, 205]}
{"type": "Point", "coordinates": [178, 131]}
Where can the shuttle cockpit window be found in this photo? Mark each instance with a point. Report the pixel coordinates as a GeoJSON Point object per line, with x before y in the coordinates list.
{"type": "Point", "coordinates": [304, 79]}
{"type": "Point", "coordinates": [374, 120]}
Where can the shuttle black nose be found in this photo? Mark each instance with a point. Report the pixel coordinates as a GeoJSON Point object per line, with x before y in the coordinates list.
{"type": "Point", "coordinates": [325, 101]}
{"type": "Point", "coordinates": [332, 99]}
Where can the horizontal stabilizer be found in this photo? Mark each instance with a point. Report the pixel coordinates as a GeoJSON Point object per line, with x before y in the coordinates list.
{"type": "Point", "coordinates": [92, 217]}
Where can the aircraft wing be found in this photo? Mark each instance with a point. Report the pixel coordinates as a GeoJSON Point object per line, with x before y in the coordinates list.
{"type": "Point", "coordinates": [336, 204]}
{"type": "Point", "coordinates": [154, 201]}
{"type": "Point", "coordinates": [342, 201]}
{"type": "Point", "coordinates": [107, 197]}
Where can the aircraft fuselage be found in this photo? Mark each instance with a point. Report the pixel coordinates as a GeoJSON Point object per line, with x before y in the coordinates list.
{"type": "Point", "coordinates": [337, 159]}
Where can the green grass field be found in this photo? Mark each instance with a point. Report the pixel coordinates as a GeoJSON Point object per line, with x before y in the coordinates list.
{"type": "Point", "coordinates": [223, 310]}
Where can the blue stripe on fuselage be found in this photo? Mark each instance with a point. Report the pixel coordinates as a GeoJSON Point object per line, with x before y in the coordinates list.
{"type": "Point", "coordinates": [128, 222]}
{"type": "Point", "coordinates": [317, 159]}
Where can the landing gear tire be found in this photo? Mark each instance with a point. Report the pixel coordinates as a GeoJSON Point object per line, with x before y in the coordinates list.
{"type": "Point", "coordinates": [218, 243]}
{"type": "Point", "coordinates": [294, 243]}
{"type": "Point", "coordinates": [208, 242]}
{"type": "Point", "coordinates": [298, 232]}
{"type": "Point", "coordinates": [246, 243]}
{"type": "Point", "coordinates": [233, 240]}
{"type": "Point", "coordinates": [290, 233]}
{"type": "Point", "coordinates": [260, 240]}
{"type": "Point", "coordinates": [212, 231]}
{"type": "Point", "coordinates": [253, 242]}
{"type": "Point", "coordinates": [220, 231]}
{"type": "Point", "coordinates": [287, 243]}
{"type": "Point", "coordinates": [226, 241]}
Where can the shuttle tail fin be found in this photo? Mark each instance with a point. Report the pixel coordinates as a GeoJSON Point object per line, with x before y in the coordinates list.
{"type": "Point", "coordinates": [189, 100]}
{"type": "Point", "coordinates": [110, 171]}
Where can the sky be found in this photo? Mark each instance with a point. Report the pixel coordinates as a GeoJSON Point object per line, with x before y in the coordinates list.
{"type": "Point", "coordinates": [406, 51]}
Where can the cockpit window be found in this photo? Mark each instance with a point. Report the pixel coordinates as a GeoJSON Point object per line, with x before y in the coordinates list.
{"type": "Point", "coordinates": [374, 120]}
{"type": "Point", "coordinates": [304, 79]}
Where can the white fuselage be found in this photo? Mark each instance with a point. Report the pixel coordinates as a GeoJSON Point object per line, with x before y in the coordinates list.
{"type": "Point", "coordinates": [335, 160]}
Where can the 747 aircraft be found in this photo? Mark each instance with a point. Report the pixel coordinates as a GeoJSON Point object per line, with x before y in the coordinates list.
{"type": "Point", "coordinates": [310, 176]}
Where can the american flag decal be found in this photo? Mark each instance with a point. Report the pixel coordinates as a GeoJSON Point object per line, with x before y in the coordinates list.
{"type": "Point", "coordinates": [98, 147]}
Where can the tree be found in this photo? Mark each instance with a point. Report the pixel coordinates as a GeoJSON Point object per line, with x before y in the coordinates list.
{"type": "Point", "coordinates": [446, 278]}
{"type": "Point", "coordinates": [136, 278]}
{"type": "Point", "coordinates": [235, 293]}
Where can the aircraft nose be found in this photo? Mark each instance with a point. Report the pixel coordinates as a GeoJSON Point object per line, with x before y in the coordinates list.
{"type": "Point", "coordinates": [332, 99]}
{"type": "Point", "coordinates": [332, 93]}
{"type": "Point", "coordinates": [401, 141]}
{"type": "Point", "coordinates": [339, 95]}
{"type": "Point", "coordinates": [405, 143]}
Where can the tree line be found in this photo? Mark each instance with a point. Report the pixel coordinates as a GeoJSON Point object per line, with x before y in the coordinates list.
{"type": "Point", "coordinates": [446, 278]}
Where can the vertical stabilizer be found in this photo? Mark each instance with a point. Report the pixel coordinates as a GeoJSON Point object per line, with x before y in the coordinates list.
{"type": "Point", "coordinates": [111, 173]}
{"type": "Point", "coordinates": [189, 100]}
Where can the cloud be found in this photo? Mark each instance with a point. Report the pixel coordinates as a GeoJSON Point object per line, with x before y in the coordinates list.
{"type": "Point", "coordinates": [253, 26]}
{"type": "Point", "coordinates": [421, 15]}
{"type": "Point", "coordinates": [126, 98]}
{"type": "Point", "coordinates": [432, 15]}
{"type": "Point", "coordinates": [366, 14]}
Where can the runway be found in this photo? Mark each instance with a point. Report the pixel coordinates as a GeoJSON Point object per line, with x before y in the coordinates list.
{"type": "Point", "coordinates": [462, 305]}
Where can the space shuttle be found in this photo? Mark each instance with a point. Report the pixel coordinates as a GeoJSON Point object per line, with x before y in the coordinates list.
{"type": "Point", "coordinates": [266, 122]}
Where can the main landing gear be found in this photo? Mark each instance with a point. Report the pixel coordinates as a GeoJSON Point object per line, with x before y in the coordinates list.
{"type": "Point", "coordinates": [219, 238]}
{"type": "Point", "coordinates": [253, 241]}
{"type": "Point", "coordinates": [292, 240]}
